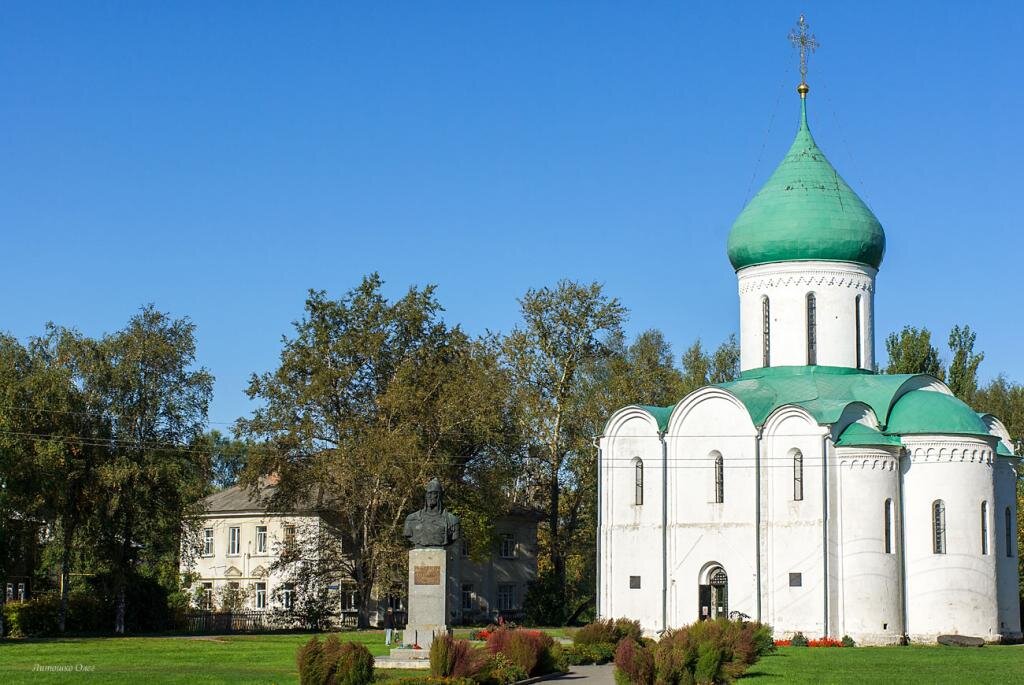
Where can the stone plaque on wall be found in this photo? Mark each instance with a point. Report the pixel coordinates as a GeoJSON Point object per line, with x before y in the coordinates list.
{"type": "Point", "coordinates": [427, 575]}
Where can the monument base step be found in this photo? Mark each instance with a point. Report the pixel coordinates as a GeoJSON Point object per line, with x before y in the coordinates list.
{"type": "Point", "coordinates": [410, 654]}
{"type": "Point", "coordinates": [392, 662]}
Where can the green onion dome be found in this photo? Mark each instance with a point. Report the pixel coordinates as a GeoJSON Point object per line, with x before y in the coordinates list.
{"type": "Point", "coordinates": [806, 211]}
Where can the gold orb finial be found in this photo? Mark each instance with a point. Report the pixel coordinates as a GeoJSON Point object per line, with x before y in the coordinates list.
{"type": "Point", "coordinates": [803, 89]}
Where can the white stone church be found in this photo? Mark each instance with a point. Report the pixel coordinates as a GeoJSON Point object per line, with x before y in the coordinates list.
{"type": "Point", "coordinates": [812, 493]}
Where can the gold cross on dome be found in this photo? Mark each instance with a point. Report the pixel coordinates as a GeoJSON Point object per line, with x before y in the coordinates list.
{"type": "Point", "coordinates": [805, 42]}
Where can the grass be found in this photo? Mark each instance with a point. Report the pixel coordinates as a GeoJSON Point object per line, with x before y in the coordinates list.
{"type": "Point", "coordinates": [151, 660]}
{"type": "Point", "coordinates": [917, 664]}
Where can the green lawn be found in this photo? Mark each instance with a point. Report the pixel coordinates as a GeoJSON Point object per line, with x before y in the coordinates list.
{"type": "Point", "coordinates": [864, 665]}
{"type": "Point", "coordinates": [151, 660]}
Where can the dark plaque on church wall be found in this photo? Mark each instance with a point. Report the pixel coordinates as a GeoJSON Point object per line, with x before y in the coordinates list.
{"type": "Point", "coordinates": [427, 575]}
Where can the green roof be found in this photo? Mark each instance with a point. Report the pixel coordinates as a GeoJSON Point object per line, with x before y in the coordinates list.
{"type": "Point", "coordinates": [1002, 451]}
{"type": "Point", "coordinates": [806, 211]}
{"type": "Point", "coordinates": [824, 391]}
{"type": "Point", "coordinates": [921, 411]}
{"type": "Point", "coordinates": [857, 434]}
{"type": "Point", "coordinates": [660, 414]}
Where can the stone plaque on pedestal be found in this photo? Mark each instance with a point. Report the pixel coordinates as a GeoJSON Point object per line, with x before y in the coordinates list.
{"type": "Point", "coordinates": [432, 581]}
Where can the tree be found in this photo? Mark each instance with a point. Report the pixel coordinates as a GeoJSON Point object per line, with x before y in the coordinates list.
{"type": "Point", "coordinates": [564, 329]}
{"type": "Point", "coordinates": [911, 351]}
{"type": "Point", "coordinates": [372, 398]}
{"type": "Point", "coordinates": [963, 369]}
{"type": "Point", "coordinates": [227, 458]}
{"type": "Point", "coordinates": [700, 368]}
{"type": "Point", "coordinates": [141, 380]}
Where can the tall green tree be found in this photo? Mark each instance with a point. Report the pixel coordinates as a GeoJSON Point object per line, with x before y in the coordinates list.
{"type": "Point", "coordinates": [911, 351]}
{"type": "Point", "coordinates": [370, 400]}
{"type": "Point", "coordinates": [227, 458]}
{"type": "Point", "coordinates": [963, 368]}
{"type": "Point", "coordinates": [564, 329]}
{"type": "Point", "coordinates": [143, 381]}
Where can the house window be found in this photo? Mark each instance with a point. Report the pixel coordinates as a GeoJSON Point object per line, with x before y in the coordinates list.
{"type": "Point", "coordinates": [21, 592]}
{"type": "Point", "coordinates": [10, 592]}
{"type": "Point", "coordinates": [289, 534]}
{"type": "Point", "coordinates": [638, 481]}
{"type": "Point", "coordinates": [465, 548]}
{"type": "Point", "coordinates": [207, 542]}
{"type": "Point", "coordinates": [234, 540]}
{"type": "Point", "coordinates": [508, 546]}
{"type": "Point", "coordinates": [857, 325]}
{"type": "Point", "coordinates": [467, 596]}
{"type": "Point", "coordinates": [506, 597]}
{"type": "Point", "coordinates": [719, 478]}
{"type": "Point", "coordinates": [796, 579]}
{"type": "Point", "coordinates": [1009, 533]}
{"type": "Point", "coordinates": [261, 539]}
{"type": "Point", "coordinates": [984, 527]}
{"type": "Point", "coordinates": [888, 526]}
{"type": "Point", "coordinates": [938, 527]}
{"type": "Point", "coordinates": [208, 595]}
{"type": "Point", "coordinates": [634, 582]}
{"type": "Point", "coordinates": [261, 595]}
{"type": "Point", "coordinates": [812, 330]}
{"type": "Point", "coordinates": [798, 475]}
{"type": "Point", "coordinates": [766, 332]}
{"type": "Point", "coordinates": [288, 596]}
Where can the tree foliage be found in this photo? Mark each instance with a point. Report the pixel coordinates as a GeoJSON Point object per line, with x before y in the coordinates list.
{"type": "Point", "coordinates": [963, 369]}
{"type": "Point", "coordinates": [911, 351]}
{"type": "Point", "coordinates": [370, 400]}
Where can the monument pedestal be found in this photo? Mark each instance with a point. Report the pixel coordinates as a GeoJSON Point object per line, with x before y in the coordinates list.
{"type": "Point", "coordinates": [433, 593]}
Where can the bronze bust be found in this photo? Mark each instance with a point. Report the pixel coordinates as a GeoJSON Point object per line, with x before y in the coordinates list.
{"type": "Point", "coordinates": [433, 525]}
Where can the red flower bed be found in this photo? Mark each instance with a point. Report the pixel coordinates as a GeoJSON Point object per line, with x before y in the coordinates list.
{"type": "Point", "coordinates": [823, 642]}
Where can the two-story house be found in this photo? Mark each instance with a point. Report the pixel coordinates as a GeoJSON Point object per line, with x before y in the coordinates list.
{"type": "Point", "coordinates": [240, 539]}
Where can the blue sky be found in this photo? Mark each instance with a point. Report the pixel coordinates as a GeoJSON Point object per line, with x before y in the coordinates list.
{"type": "Point", "coordinates": [218, 159]}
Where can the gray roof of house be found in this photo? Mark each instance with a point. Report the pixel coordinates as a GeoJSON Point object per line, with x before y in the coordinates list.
{"type": "Point", "coordinates": [237, 499]}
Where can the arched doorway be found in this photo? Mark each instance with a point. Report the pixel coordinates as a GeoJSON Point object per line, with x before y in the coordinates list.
{"type": "Point", "coordinates": [713, 594]}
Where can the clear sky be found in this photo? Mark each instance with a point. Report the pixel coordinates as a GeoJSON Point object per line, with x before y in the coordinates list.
{"type": "Point", "coordinates": [219, 158]}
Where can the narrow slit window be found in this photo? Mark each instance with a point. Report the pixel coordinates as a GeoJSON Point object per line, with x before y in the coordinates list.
{"type": "Point", "coordinates": [938, 527]}
{"type": "Point", "coordinates": [638, 492]}
{"type": "Point", "coordinates": [798, 475]}
{"type": "Point", "coordinates": [766, 333]}
{"type": "Point", "coordinates": [812, 330]}
{"type": "Point", "coordinates": [1009, 533]}
{"type": "Point", "coordinates": [984, 527]}
{"type": "Point", "coordinates": [719, 479]}
{"type": "Point", "coordinates": [888, 526]}
{"type": "Point", "coordinates": [857, 325]}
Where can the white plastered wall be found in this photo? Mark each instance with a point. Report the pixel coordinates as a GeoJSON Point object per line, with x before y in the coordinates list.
{"type": "Point", "coordinates": [702, 532]}
{"type": "Point", "coordinates": [836, 286]}
{"type": "Point", "coordinates": [630, 535]}
{"type": "Point", "coordinates": [953, 592]}
{"type": "Point", "coordinates": [1005, 537]}
{"type": "Point", "coordinates": [870, 598]}
{"type": "Point", "coordinates": [791, 529]}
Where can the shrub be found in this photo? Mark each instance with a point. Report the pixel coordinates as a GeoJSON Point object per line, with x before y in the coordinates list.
{"type": "Point", "coordinates": [710, 651]}
{"type": "Point", "coordinates": [848, 641]}
{"type": "Point", "coordinates": [499, 670]}
{"type": "Point", "coordinates": [528, 649]}
{"type": "Point", "coordinates": [798, 640]}
{"type": "Point", "coordinates": [310, 660]}
{"type": "Point", "coordinates": [451, 658]}
{"type": "Point", "coordinates": [38, 616]}
{"type": "Point", "coordinates": [334, 662]}
{"type": "Point", "coordinates": [598, 653]}
{"type": "Point", "coordinates": [608, 632]}
{"type": "Point", "coordinates": [354, 665]}
{"type": "Point", "coordinates": [634, 663]}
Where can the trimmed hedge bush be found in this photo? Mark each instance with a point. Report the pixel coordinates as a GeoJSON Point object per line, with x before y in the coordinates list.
{"type": "Point", "coordinates": [38, 616]}
{"type": "Point", "coordinates": [451, 658]}
{"type": "Point", "coordinates": [530, 650]}
{"type": "Point", "coordinates": [607, 632]}
{"type": "Point", "coordinates": [334, 662]}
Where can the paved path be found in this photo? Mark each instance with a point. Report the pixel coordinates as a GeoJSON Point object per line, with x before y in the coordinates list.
{"type": "Point", "coordinates": [591, 675]}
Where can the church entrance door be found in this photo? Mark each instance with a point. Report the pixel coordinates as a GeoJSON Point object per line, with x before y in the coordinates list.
{"type": "Point", "coordinates": [713, 594]}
